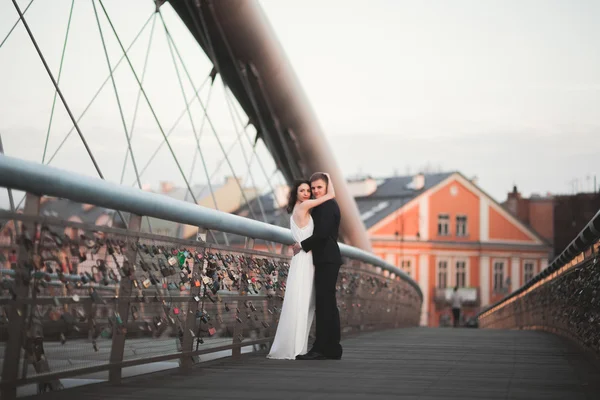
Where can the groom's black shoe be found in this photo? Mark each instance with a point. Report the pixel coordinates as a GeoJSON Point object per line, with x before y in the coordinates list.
{"type": "Point", "coordinates": [311, 355]}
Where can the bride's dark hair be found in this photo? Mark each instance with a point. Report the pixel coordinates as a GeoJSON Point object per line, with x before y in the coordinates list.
{"type": "Point", "coordinates": [293, 197]}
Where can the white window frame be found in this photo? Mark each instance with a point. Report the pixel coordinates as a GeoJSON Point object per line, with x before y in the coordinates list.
{"type": "Point", "coordinates": [455, 270]}
{"type": "Point", "coordinates": [412, 261]}
{"type": "Point", "coordinates": [504, 274]}
{"type": "Point", "coordinates": [533, 270]}
{"type": "Point", "coordinates": [448, 262]}
{"type": "Point", "coordinates": [466, 225]}
{"type": "Point", "coordinates": [447, 219]}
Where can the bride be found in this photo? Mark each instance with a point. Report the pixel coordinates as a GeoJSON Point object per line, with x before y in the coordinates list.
{"type": "Point", "coordinates": [298, 307]}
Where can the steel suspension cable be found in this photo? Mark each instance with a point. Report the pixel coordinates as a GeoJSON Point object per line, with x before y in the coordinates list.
{"type": "Point", "coordinates": [99, 90]}
{"type": "Point", "coordinates": [62, 98]}
{"type": "Point", "coordinates": [254, 150]}
{"type": "Point", "coordinates": [137, 100]}
{"type": "Point", "coordinates": [114, 85]}
{"type": "Point", "coordinates": [198, 149]}
{"type": "Point", "coordinates": [196, 136]}
{"type": "Point", "coordinates": [92, 100]}
{"type": "Point", "coordinates": [211, 125]}
{"type": "Point", "coordinates": [14, 25]}
{"type": "Point", "coordinates": [175, 125]}
{"type": "Point", "coordinates": [240, 75]}
{"type": "Point", "coordinates": [149, 104]}
{"type": "Point", "coordinates": [60, 68]}
{"type": "Point", "coordinates": [193, 167]}
{"type": "Point", "coordinates": [248, 162]}
{"type": "Point", "coordinates": [222, 161]}
{"type": "Point", "coordinates": [253, 155]}
{"type": "Point", "coordinates": [146, 97]}
{"type": "Point", "coordinates": [215, 61]}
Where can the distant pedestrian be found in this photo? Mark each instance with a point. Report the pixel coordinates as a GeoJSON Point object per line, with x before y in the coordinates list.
{"type": "Point", "coordinates": [456, 303]}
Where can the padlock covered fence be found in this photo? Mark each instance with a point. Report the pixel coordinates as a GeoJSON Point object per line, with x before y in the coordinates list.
{"type": "Point", "coordinates": [81, 300]}
{"type": "Point", "coordinates": [563, 299]}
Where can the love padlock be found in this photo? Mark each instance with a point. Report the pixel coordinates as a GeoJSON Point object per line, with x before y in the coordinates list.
{"type": "Point", "coordinates": [195, 280]}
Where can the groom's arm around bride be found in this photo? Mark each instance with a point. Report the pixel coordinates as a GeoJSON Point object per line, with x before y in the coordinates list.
{"type": "Point", "coordinates": [323, 242]}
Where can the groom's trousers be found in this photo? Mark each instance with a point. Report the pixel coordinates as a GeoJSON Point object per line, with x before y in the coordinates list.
{"type": "Point", "coordinates": [328, 334]}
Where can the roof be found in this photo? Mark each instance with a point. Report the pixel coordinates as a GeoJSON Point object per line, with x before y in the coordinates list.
{"type": "Point", "coordinates": [391, 194]}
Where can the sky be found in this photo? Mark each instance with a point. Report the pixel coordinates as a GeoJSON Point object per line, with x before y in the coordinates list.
{"type": "Point", "coordinates": [507, 91]}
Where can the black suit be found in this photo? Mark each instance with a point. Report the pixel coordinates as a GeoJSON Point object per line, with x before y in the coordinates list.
{"type": "Point", "coordinates": [327, 260]}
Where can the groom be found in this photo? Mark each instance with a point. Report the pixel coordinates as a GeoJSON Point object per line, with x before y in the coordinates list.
{"type": "Point", "coordinates": [327, 261]}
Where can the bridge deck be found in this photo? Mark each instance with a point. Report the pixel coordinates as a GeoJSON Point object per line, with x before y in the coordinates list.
{"type": "Point", "coordinates": [404, 364]}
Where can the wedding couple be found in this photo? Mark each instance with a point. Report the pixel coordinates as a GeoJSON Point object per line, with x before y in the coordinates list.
{"type": "Point", "coordinates": [312, 276]}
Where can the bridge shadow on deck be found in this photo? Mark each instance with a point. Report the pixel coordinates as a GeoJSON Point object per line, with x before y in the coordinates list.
{"type": "Point", "coordinates": [416, 363]}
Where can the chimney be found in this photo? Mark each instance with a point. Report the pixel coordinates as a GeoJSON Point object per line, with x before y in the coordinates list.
{"type": "Point", "coordinates": [166, 187]}
{"type": "Point", "coordinates": [418, 182]}
{"type": "Point", "coordinates": [512, 201]}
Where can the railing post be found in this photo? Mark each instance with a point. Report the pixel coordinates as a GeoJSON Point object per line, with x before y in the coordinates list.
{"type": "Point", "coordinates": [190, 322]}
{"type": "Point", "coordinates": [236, 352]}
{"type": "Point", "coordinates": [17, 313]}
{"type": "Point", "coordinates": [122, 306]}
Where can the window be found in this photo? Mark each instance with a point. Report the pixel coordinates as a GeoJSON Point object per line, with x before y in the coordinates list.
{"type": "Point", "coordinates": [498, 276]}
{"type": "Point", "coordinates": [407, 267]}
{"type": "Point", "coordinates": [461, 225]}
{"type": "Point", "coordinates": [443, 224]}
{"type": "Point", "coordinates": [461, 274]}
{"type": "Point", "coordinates": [442, 274]}
{"type": "Point", "coordinates": [527, 271]}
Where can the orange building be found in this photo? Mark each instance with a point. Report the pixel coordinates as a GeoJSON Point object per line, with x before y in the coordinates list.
{"type": "Point", "coordinates": [444, 231]}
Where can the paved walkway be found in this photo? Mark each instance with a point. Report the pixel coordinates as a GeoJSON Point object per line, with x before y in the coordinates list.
{"type": "Point", "coordinates": [414, 363]}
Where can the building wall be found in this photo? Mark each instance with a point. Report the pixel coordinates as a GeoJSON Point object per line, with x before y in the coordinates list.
{"type": "Point", "coordinates": [541, 217]}
{"type": "Point", "coordinates": [501, 228]}
{"type": "Point", "coordinates": [402, 224]}
{"type": "Point", "coordinates": [425, 259]}
{"type": "Point", "coordinates": [492, 237]}
{"type": "Point", "coordinates": [454, 199]}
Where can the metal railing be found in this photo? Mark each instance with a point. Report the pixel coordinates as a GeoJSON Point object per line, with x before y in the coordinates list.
{"type": "Point", "coordinates": [564, 298]}
{"type": "Point", "coordinates": [77, 299]}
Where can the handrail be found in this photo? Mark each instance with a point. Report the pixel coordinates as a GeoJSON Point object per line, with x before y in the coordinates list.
{"type": "Point", "coordinates": [42, 179]}
{"type": "Point", "coordinates": [586, 238]}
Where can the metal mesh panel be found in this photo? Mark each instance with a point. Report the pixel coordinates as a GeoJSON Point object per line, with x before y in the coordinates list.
{"type": "Point", "coordinates": [100, 295]}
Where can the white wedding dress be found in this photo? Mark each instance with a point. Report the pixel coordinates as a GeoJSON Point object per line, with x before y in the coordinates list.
{"type": "Point", "coordinates": [298, 307]}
